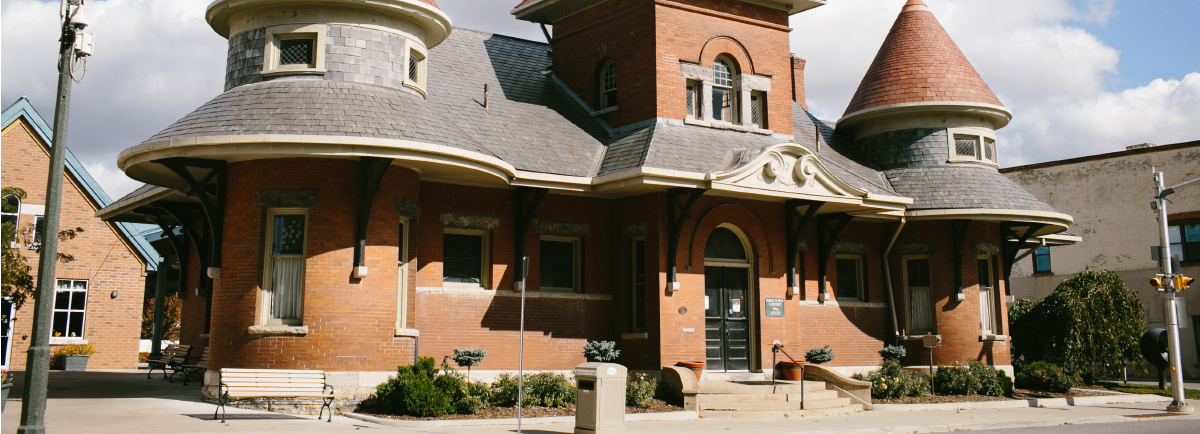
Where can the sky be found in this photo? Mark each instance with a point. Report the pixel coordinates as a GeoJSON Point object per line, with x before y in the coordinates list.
{"type": "Point", "coordinates": [1082, 77]}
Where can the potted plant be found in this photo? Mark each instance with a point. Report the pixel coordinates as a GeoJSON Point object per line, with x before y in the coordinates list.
{"type": "Point", "coordinates": [601, 351]}
{"type": "Point", "coordinates": [7, 385]}
{"type": "Point", "coordinates": [696, 367]}
{"type": "Point", "coordinates": [792, 371]}
{"type": "Point", "coordinates": [468, 358]}
{"type": "Point", "coordinates": [75, 356]}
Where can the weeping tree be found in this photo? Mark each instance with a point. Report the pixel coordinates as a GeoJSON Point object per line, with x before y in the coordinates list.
{"type": "Point", "coordinates": [1091, 319]}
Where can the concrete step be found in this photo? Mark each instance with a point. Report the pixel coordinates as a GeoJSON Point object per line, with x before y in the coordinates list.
{"type": "Point", "coordinates": [757, 387]}
{"type": "Point", "coordinates": [725, 398]}
{"type": "Point", "coordinates": [725, 414]}
{"type": "Point", "coordinates": [813, 395]}
{"type": "Point", "coordinates": [774, 405]}
{"type": "Point", "coordinates": [827, 403]}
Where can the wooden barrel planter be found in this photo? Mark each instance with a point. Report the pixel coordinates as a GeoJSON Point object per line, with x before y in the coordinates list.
{"type": "Point", "coordinates": [792, 371]}
{"type": "Point", "coordinates": [696, 367]}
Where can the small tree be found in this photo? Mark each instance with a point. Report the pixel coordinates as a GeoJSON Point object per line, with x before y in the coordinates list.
{"type": "Point", "coordinates": [172, 310]}
{"type": "Point", "coordinates": [818, 356]}
{"type": "Point", "coordinates": [601, 351]}
{"type": "Point", "coordinates": [893, 353]}
{"type": "Point", "coordinates": [468, 358]}
{"type": "Point", "coordinates": [1091, 319]}
{"type": "Point", "coordinates": [17, 274]}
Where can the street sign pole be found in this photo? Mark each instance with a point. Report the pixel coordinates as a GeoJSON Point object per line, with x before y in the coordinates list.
{"type": "Point", "coordinates": [1179, 404]}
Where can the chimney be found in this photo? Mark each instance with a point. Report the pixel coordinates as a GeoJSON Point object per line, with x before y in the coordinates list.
{"type": "Point", "coordinates": [798, 81]}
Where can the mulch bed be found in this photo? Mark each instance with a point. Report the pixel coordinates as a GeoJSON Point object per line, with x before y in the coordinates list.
{"type": "Point", "coordinates": [939, 399]}
{"type": "Point", "coordinates": [511, 412]}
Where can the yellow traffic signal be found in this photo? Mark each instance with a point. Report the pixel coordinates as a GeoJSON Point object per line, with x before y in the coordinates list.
{"type": "Point", "coordinates": [1183, 282]}
{"type": "Point", "coordinates": [1156, 282]}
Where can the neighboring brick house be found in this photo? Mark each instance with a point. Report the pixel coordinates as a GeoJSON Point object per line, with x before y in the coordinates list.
{"type": "Point", "coordinates": [357, 196]}
{"type": "Point", "coordinates": [1109, 195]}
{"type": "Point", "coordinates": [98, 300]}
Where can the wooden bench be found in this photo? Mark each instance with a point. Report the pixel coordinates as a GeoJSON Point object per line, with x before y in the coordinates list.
{"type": "Point", "coordinates": [239, 384]}
{"type": "Point", "coordinates": [189, 369]}
{"type": "Point", "coordinates": [172, 356]}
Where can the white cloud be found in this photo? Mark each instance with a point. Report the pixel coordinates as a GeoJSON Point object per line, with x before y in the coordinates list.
{"type": "Point", "coordinates": [114, 181]}
{"type": "Point", "coordinates": [1051, 74]}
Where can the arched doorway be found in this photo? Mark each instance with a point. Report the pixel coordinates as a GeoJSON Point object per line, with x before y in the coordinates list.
{"type": "Point", "coordinates": [727, 301]}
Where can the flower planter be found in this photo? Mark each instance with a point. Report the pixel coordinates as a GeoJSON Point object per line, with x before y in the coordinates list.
{"type": "Point", "coordinates": [5, 388]}
{"type": "Point", "coordinates": [74, 362]}
{"type": "Point", "coordinates": [792, 371]}
{"type": "Point", "coordinates": [696, 367]}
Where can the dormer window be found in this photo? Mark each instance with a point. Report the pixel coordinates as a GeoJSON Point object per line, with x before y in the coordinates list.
{"type": "Point", "coordinates": [417, 67]}
{"type": "Point", "coordinates": [969, 146]}
{"type": "Point", "coordinates": [724, 100]}
{"type": "Point", "coordinates": [608, 86]}
{"type": "Point", "coordinates": [294, 50]}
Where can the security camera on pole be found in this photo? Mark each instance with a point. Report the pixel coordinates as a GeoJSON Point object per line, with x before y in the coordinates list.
{"type": "Point", "coordinates": [1170, 283]}
{"type": "Point", "coordinates": [73, 50]}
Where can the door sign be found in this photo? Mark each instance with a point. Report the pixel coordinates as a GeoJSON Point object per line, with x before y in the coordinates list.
{"type": "Point", "coordinates": [735, 305]}
{"type": "Point", "coordinates": [774, 307]}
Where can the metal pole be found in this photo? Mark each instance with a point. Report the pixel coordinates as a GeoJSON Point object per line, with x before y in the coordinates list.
{"type": "Point", "coordinates": [521, 346]}
{"type": "Point", "coordinates": [1179, 405]}
{"type": "Point", "coordinates": [160, 283]}
{"type": "Point", "coordinates": [37, 364]}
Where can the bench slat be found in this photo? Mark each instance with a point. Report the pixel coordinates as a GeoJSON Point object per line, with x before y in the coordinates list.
{"type": "Point", "coordinates": [279, 385]}
{"type": "Point", "coordinates": [279, 395]}
{"type": "Point", "coordinates": [271, 371]}
{"type": "Point", "coordinates": [245, 375]}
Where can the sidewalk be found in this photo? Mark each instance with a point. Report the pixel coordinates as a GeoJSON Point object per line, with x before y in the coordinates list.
{"type": "Point", "coordinates": [125, 402]}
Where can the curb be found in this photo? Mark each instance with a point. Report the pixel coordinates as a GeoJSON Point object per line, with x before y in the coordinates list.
{"type": "Point", "coordinates": [1026, 403]}
{"type": "Point", "coordinates": [634, 417]}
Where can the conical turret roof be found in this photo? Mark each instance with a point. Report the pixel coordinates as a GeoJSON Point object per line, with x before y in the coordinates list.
{"type": "Point", "coordinates": [919, 63]}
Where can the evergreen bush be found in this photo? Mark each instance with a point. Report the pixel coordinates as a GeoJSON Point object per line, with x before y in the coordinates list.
{"type": "Point", "coordinates": [893, 381]}
{"type": "Point", "coordinates": [418, 390]}
{"type": "Point", "coordinates": [601, 351]}
{"type": "Point", "coordinates": [893, 353]}
{"type": "Point", "coordinates": [818, 356]}
{"type": "Point", "coordinates": [468, 358]}
{"type": "Point", "coordinates": [639, 390]}
{"type": "Point", "coordinates": [1044, 376]}
{"type": "Point", "coordinates": [974, 379]}
{"type": "Point", "coordinates": [545, 389]}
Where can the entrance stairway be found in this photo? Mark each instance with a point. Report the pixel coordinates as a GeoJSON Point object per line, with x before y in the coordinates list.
{"type": "Point", "coordinates": [754, 399]}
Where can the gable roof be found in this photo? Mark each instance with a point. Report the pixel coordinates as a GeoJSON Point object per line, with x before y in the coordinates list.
{"type": "Point", "coordinates": [91, 189]}
{"type": "Point", "coordinates": [919, 63]}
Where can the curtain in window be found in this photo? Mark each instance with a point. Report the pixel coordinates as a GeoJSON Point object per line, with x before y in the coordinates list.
{"type": "Point", "coordinates": [922, 312]}
{"type": "Point", "coordinates": [287, 287]}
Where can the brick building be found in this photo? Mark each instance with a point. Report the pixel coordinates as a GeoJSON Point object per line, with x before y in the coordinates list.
{"type": "Point", "coordinates": [1110, 195]}
{"type": "Point", "coordinates": [365, 185]}
{"type": "Point", "coordinates": [98, 300]}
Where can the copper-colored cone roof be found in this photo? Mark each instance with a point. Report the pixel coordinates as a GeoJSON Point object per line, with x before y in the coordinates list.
{"type": "Point", "coordinates": [431, 3]}
{"type": "Point", "coordinates": [918, 62]}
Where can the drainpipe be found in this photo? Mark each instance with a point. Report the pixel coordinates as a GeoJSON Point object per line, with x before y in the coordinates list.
{"type": "Point", "coordinates": [887, 273]}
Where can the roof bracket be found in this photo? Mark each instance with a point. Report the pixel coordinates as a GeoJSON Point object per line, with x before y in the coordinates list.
{"type": "Point", "coordinates": [371, 171]}
{"type": "Point", "coordinates": [677, 213]}
{"type": "Point", "coordinates": [527, 201]}
{"type": "Point", "coordinates": [1009, 249]}
{"type": "Point", "coordinates": [212, 201]}
{"type": "Point", "coordinates": [958, 236]}
{"type": "Point", "coordinates": [827, 238]}
{"type": "Point", "coordinates": [156, 215]}
{"type": "Point", "coordinates": [795, 224]}
{"type": "Point", "coordinates": [186, 215]}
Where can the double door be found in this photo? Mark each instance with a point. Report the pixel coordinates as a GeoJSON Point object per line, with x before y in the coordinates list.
{"type": "Point", "coordinates": [727, 318]}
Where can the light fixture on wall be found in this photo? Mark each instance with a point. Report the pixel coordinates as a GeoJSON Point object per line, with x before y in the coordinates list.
{"type": "Point", "coordinates": [113, 295]}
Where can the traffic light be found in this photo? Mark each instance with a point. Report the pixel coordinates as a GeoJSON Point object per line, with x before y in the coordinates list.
{"type": "Point", "coordinates": [1182, 282]}
{"type": "Point", "coordinates": [1156, 282]}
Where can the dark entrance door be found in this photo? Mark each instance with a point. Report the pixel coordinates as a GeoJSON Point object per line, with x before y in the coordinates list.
{"type": "Point", "coordinates": [727, 319]}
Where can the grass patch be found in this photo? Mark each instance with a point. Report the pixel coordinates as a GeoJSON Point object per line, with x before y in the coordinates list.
{"type": "Point", "coordinates": [1149, 390]}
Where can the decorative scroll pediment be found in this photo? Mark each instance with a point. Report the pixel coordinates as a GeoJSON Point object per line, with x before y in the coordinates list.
{"type": "Point", "coordinates": [787, 168]}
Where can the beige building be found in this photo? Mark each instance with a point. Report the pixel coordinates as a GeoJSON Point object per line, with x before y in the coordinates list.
{"type": "Point", "coordinates": [1109, 195]}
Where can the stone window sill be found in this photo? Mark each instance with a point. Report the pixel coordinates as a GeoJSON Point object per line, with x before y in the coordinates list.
{"type": "Point", "coordinates": [203, 335]}
{"type": "Point", "coordinates": [296, 71]}
{"type": "Point", "coordinates": [727, 126]}
{"type": "Point", "coordinates": [278, 330]}
{"type": "Point", "coordinates": [412, 333]}
{"type": "Point", "coordinates": [1043, 273]}
{"type": "Point", "coordinates": [993, 338]}
{"type": "Point", "coordinates": [68, 341]}
{"type": "Point", "coordinates": [605, 111]}
{"type": "Point", "coordinates": [641, 335]}
{"type": "Point", "coordinates": [917, 337]}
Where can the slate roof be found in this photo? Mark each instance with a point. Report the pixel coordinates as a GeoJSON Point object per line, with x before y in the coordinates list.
{"type": "Point", "coordinates": [918, 62]}
{"type": "Point", "coordinates": [962, 186]}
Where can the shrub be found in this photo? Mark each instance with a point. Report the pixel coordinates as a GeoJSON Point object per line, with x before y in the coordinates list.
{"type": "Point", "coordinates": [1091, 319]}
{"type": "Point", "coordinates": [468, 358]}
{"type": "Point", "coordinates": [75, 350]}
{"type": "Point", "coordinates": [892, 381]}
{"type": "Point", "coordinates": [418, 390]}
{"type": "Point", "coordinates": [893, 353]}
{"type": "Point", "coordinates": [1044, 376]}
{"type": "Point", "coordinates": [974, 379]}
{"type": "Point", "coordinates": [545, 389]}
{"type": "Point", "coordinates": [639, 390]}
{"type": "Point", "coordinates": [818, 356]}
{"type": "Point", "coordinates": [601, 351]}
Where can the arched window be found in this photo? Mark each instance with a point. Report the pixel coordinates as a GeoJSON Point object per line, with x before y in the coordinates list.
{"type": "Point", "coordinates": [724, 97]}
{"type": "Point", "coordinates": [724, 245]}
{"type": "Point", "coordinates": [11, 208]}
{"type": "Point", "coordinates": [608, 85]}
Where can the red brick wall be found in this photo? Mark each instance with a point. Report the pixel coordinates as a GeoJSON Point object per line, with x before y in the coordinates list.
{"type": "Point", "coordinates": [112, 325]}
{"type": "Point", "coordinates": [648, 39]}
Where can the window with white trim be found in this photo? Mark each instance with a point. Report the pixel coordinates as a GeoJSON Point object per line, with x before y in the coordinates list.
{"type": "Point", "coordinates": [402, 277]}
{"type": "Point", "coordinates": [1041, 260]}
{"type": "Point", "coordinates": [465, 258]}
{"type": "Point", "coordinates": [758, 110]}
{"type": "Point", "coordinates": [637, 296]}
{"type": "Point", "coordinates": [608, 86]}
{"type": "Point", "coordinates": [70, 308]}
{"type": "Point", "coordinates": [989, 314]}
{"type": "Point", "coordinates": [294, 49]}
{"type": "Point", "coordinates": [918, 288]}
{"type": "Point", "coordinates": [37, 233]}
{"type": "Point", "coordinates": [10, 209]}
{"type": "Point", "coordinates": [283, 276]}
{"type": "Point", "coordinates": [693, 102]}
{"type": "Point", "coordinates": [559, 264]}
{"type": "Point", "coordinates": [724, 96]}
{"type": "Point", "coordinates": [969, 146]}
{"type": "Point", "coordinates": [416, 70]}
{"type": "Point", "coordinates": [849, 277]}
{"type": "Point", "coordinates": [1185, 241]}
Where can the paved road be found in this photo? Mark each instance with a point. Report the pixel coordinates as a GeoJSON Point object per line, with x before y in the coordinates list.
{"type": "Point", "coordinates": [1191, 426]}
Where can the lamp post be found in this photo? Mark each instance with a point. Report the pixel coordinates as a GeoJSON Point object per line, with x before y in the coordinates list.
{"type": "Point", "coordinates": [1179, 403]}
{"type": "Point", "coordinates": [37, 365]}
